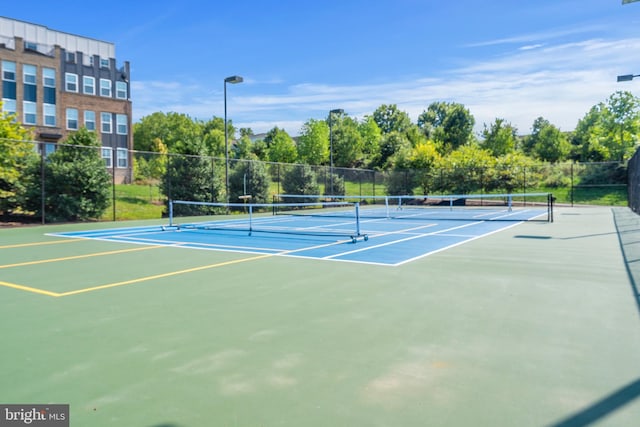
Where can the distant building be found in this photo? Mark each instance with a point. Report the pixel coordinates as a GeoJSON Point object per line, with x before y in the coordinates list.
{"type": "Point", "coordinates": [56, 83]}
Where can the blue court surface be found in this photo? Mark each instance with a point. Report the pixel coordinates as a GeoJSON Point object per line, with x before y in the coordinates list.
{"type": "Point", "coordinates": [380, 241]}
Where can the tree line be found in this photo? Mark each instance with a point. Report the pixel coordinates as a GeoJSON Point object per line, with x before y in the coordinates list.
{"type": "Point", "coordinates": [388, 139]}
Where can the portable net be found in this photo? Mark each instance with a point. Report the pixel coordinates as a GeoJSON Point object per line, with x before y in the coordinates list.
{"type": "Point", "coordinates": [253, 218]}
{"type": "Point", "coordinates": [484, 207]}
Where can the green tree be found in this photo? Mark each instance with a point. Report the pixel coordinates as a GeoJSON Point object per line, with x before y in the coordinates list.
{"type": "Point", "coordinates": [390, 119]}
{"type": "Point", "coordinates": [609, 131]}
{"type": "Point", "coordinates": [371, 136]}
{"type": "Point", "coordinates": [301, 180]}
{"type": "Point", "coordinates": [251, 178]}
{"type": "Point", "coordinates": [313, 144]}
{"type": "Point", "coordinates": [466, 170]}
{"type": "Point", "coordinates": [16, 155]}
{"type": "Point", "coordinates": [178, 132]}
{"type": "Point", "coordinates": [390, 144]}
{"type": "Point", "coordinates": [282, 148]}
{"type": "Point", "coordinates": [347, 142]}
{"type": "Point", "coordinates": [449, 124]}
{"type": "Point", "coordinates": [77, 182]}
{"type": "Point", "coordinates": [499, 138]}
{"type": "Point", "coordinates": [551, 145]}
{"type": "Point", "coordinates": [424, 160]}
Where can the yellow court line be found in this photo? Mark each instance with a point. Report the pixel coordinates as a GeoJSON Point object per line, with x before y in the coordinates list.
{"type": "Point", "coordinates": [189, 270]}
{"type": "Point", "coordinates": [160, 276]}
{"type": "Point", "coordinates": [44, 261]}
{"type": "Point", "coordinates": [157, 276]}
{"type": "Point", "coordinates": [29, 289]}
{"type": "Point", "coordinates": [55, 242]}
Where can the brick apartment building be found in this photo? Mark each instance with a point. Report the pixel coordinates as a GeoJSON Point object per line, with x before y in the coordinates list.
{"type": "Point", "coordinates": [56, 83]}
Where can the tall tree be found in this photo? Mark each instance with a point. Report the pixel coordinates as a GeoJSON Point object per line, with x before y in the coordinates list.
{"type": "Point", "coordinates": [282, 148]}
{"type": "Point", "coordinates": [371, 135]}
{"type": "Point", "coordinates": [16, 154]}
{"type": "Point", "coordinates": [390, 119]}
{"type": "Point", "coordinates": [499, 137]}
{"type": "Point", "coordinates": [449, 124]}
{"type": "Point", "coordinates": [347, 142]}
{"type": "Point", "coordinates": [313, 144]}
{"type": "Point", "coordinates": [178, 132]}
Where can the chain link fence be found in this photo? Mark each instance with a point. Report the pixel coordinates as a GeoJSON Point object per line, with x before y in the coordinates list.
{"type": "Point", "coordinates": [140, 184]}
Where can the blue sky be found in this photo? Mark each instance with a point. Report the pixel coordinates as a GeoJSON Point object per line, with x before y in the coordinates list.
{"type": "Point", "coordinates": [515, 60]}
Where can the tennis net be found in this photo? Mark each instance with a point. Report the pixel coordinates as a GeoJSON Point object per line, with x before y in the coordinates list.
{"type": "Point", "coordinates": [466, 207]}
{"type": "Point", "coordinates": [252, 218]}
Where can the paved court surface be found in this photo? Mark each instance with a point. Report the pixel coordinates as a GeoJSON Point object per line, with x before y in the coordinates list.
{"type": "Point", "coordinates": [536, 325]}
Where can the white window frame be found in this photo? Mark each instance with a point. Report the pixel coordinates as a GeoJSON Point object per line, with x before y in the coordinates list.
{"type": "Point", "coordinates": [88, 85]}
{"type": "Point", "coordinates": [105, 63]}
{"type": "Point", "coordinates": [49, 114]}
{"type": "Point", "coordinates": [107, 156]}
{"type": "Point", "coordinates": [72, 119]}
{"type": "Point", "coordinates": [105, 88]}
{"type": "Point", "coordinates": [49, 77]}
{"type": "Point", "coordinates": [106, 123]}
{"type": "Point", "coordinates": [90, 117]}
{"type": "Point", "coordinates": [9, 71]}
{"type": "Point", "coordinates": [29, 74]}
{"type": "Point", "coordinates": [121, 124]}
{"type": "Point", "coordinates": [9, 106]}
{"type": "Point", "coordinates": [122, 158]}
{"type": "Point", "coordinates": [121, 90]}
{"type": "Point", "coordinates": [29, 113]}
{"type": "Point", "coordinates": [71, 82]}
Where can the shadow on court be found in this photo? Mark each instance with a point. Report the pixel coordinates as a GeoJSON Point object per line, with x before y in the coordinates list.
{"type": "Point", "coordinates": [603, 407]}
{"type": "Point", "coordinates": [628, 225]}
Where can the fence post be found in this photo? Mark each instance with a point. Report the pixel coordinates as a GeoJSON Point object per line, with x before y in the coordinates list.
{"type": "Point", "coordinates": [42, 187]}
{"type": "Point", "coordinates": [571, 184]}
{"type": "Point", "coordinates": [113, 179]}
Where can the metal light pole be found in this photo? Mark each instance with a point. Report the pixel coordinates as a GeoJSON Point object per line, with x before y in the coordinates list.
{"type": "Point", "coordinates": [232, 80]}
{"type": "Point", "coordinates": [331, 113]}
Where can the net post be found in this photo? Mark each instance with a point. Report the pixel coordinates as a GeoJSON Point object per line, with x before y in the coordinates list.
{"type": "Point", "coordinates": [510, 202]}
{"type": "Point", "coordinates": [450, 203]}
{"type": "Point", "coordinates": [357, 218]}
{"type": "Point", "coordinates": [170, 213]}
{"type": "Point", "coordinates": [386, 205]}
{"type": "Point", "coordinates": [250, 219]}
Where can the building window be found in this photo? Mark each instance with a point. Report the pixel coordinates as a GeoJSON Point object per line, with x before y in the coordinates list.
{"type": "Point", "coordinates": [71, 82]}
{"type": "Point", "coordinates": [29, 112]}
{"type": "Point", "coordinates": [104, 63]}
{"type": "Point", "coordinates": [30, 92]}
{"type": "Point", "coordinates": [9, 71]}
{"type": "Point", "coordinates": [71, 57]}
{"type": "Point", "coordinates": [90, 120]}
{"type": "Point", "coordinates": [49, 83]}
{"type": "Point", "coordinates": [31, 46]}
{"type": "Point", "coordinates": [88, 85]}
{"type": "Point", "coordinates": [9, 80]}
{"type": "Point", "coordinates": [49, 112]}
{"type": "Point", "coordinates": [122, 158]}
{"type": "Point", "coordinates": [29, 74]}
{"type": "Point", "coordinates": [121, 90]}
{"type": "Point", "coordinates": [105, 87]}
{"type": "Point", "coordinates": [106, 155]}
{"type": "Point", "coordinates": [121, 124]}
{"type": "Point", "coordinates": [9, 106]}
{"type": "Point", "coordinates": [105, 122]}
{"type": "Point", "coordinates": [72, 118]}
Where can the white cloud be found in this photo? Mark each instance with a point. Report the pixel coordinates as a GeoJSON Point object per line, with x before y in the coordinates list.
{"type": "Point", "coordinates": [559, 82]}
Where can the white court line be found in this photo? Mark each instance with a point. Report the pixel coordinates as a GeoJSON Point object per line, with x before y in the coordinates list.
{"type": "Point", "coordinates": [401, 240]}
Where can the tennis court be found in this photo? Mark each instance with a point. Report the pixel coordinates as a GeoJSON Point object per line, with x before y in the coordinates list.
{"type": "Point", "coordinates": [447, 322]}
{"type": "Point", "coordinates": [337, 231]}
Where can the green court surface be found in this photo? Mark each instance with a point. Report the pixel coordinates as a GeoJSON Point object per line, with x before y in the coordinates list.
{"type": "Point", "coordinates": [537, 325]}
